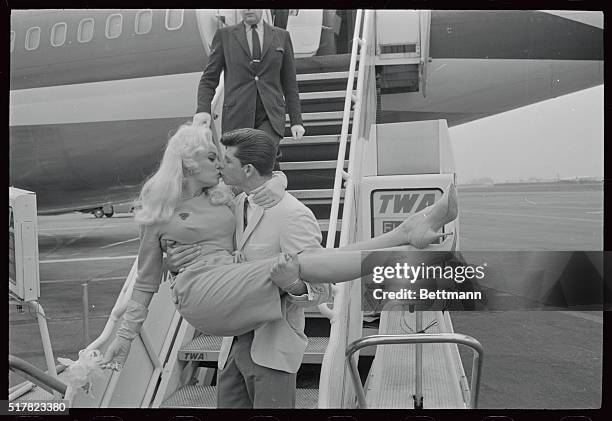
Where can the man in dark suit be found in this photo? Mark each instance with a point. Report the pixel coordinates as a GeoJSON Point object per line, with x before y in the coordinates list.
{"type": "Point", "coordinates": [260, 81]}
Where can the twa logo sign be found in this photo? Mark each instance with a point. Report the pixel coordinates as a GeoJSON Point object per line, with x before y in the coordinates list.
{"type": "Point", "coordinates": [405, 203]}
{"type": "Point", "coordinates": [391, 207]}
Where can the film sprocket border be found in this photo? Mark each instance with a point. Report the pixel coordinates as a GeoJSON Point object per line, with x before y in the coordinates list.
{"type": "Point", "coordinates": [323, 415]}
{"type": "Point", "coordinates": [337, 415]}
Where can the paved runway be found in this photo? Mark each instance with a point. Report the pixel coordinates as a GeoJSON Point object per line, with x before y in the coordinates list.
{"type": "Point", "coordinates": [533, 360]}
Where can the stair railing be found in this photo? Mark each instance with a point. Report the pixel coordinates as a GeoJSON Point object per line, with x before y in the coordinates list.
{"type": "Point", "coordinates": [36, 375]}
{"type": "Point", "coordinates": [346, 313]}
{"type": "Point", "coordinates": [349, 100]}
{"type": "Point", "coordinates": [418, 338]}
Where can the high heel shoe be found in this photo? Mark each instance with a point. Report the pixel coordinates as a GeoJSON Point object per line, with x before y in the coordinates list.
{"type": "Point", "coordinates": [421, 228]}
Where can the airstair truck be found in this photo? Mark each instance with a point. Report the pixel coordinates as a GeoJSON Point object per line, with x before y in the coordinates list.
{"type": "Point", "coordinates": [406, 167]}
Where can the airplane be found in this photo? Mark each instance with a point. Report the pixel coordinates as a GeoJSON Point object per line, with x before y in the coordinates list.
{"type": "Point", "coordinates": [94, 94]}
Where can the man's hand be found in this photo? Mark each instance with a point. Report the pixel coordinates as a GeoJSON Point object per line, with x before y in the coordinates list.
{"type": "Point", "coordinates": [116, 354]}
{"type": "Point", "coordinates": [182, 256]}
{"type": "Point", "coordinates": [202, 118]}
{"type": "Point", "coordinates": [297, 131]}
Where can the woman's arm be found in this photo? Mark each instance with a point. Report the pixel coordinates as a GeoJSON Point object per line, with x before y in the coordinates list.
{"type": "Point", "coordinates": [271, 192]}
{"type": "Point", "coordinates": [150, 266]}
{"type": "Point", "coordinates": [141, 297]}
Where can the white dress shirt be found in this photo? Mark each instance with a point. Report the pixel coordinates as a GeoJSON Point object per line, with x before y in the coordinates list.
{"type": "Point", "coordinates": [249, 34]}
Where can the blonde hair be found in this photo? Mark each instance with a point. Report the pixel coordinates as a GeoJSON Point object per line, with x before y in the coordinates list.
{"type": "Point", "coordinates": [163, 190]}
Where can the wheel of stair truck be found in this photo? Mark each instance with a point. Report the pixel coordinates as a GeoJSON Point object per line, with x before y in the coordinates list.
{"type": "Point", "coordinates": [98, 213]}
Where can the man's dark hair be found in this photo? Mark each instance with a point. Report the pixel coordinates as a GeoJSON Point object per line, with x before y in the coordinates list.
{"type": "Point", "coordinates": [253, 147]}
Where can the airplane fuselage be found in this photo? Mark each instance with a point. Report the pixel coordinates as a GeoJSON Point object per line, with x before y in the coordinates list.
{"type": "Point", "coordinates": [95, 94]}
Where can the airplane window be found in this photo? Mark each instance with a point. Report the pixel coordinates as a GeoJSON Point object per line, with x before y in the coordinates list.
{"type": "Point", "coordinates": [12, 41]}
{"type": "Point", "coordinates": [85, 32]}
{"type": "Point", "coordinates": [144, 21]}
{"type": "Point", "coordinates": [174, 19]}
{"type": "Point", "coordinates": [114, 26]}
{"type": "Point", "coordinates": [58, 34]}
{"type": "Point", "coordinates": [32, 38]}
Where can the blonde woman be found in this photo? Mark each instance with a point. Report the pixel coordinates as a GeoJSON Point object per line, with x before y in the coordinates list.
{"type": "Point", "coordinates": [219, 295]}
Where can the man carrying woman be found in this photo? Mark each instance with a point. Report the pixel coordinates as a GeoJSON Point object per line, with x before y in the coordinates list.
{"type": "Point", "coordinates": [220, 294]}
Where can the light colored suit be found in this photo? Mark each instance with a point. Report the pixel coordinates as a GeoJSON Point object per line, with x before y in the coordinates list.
{"type": "Point", "coordinates": [288, 227]}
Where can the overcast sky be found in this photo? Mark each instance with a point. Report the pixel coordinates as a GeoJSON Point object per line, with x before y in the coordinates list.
{"type": "Point", "coordinates": [561, 136]}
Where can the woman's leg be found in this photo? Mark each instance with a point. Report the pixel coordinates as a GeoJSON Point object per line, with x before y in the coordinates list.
{"type": "Point", "coordinates": [358, 259]}
{"type": "Point", "coordinates": [334, 266]}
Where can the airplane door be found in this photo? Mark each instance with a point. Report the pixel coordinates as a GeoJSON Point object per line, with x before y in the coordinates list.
{"type": "Point", "coordinates": [209, 20]}
{"type": "Point", "coordinates": [304, 25]}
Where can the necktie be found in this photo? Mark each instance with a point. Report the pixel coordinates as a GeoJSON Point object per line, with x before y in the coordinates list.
{"type": "Point", "coordinates": [256, 45]}
{"type": "Point", "coordinates": [244, 214]}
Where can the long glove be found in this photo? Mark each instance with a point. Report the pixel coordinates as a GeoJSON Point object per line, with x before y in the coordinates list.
{"type": "Point", "coordinates": [131, 323]}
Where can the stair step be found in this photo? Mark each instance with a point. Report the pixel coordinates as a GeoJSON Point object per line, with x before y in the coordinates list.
{"type": "Point", "coordinates": [323, 63]}
{"type": "Point", "coordinates": [315, 349]}
{"type": "Point", "coordinates": [206, 348]}
{"type": "Point", "coordinates": [312, 148]}
{"type": "Point", "coordinates": [306, 96]}
{"type": "Point", "coordinates": [315, 195]}
{"type": "Point", "coordinates": [322, 116]}
{"type": "Point", "coordinates": [319, 128]}
{"type": "Point", "coordinates": [192, 396]}
{"type": "Point", "coordinates": [313, 313]}
{"type": "Point", "coordinates": [202, 348]}
{"type": "Point", "coordinates": [309, 165]}
{"type": "Point", "coordinates": [324, 225]}
{"type": "Point", "coordinates": [323, 76]}
{"type": "Point", "coordinates": [37, 393]}
{"type": "Point", "coordinates": [311, 140]}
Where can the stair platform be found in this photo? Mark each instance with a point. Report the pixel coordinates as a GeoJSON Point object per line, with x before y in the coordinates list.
{"type": "Point", "coordinates": [205, 348]}
{"type": "Point", "coordinates": [391, 380]}
{"type": "Point", "coordinates": [192, 396]}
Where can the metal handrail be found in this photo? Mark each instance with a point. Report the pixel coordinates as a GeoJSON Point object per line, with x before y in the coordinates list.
{"type": "Point", "coordinates": [36, 375]}
{"type": "Point", "coordinates": [24, 387]}
{"type": "Point", "coordinates": [217, 105]}
{"type": "Point", "coordinates": [416, 338]}
{"type": "Point", "coordinates": [348, 100]}
{"type": "Point", "coordinates": [339, 315]}
{"type": "Point", "coordinates": [359, 48]}
{"type": "Point", "coordinates": [349, 193]}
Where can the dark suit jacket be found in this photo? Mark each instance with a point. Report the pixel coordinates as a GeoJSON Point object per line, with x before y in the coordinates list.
{"type": "Point", "coordinates": [272, 77]}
